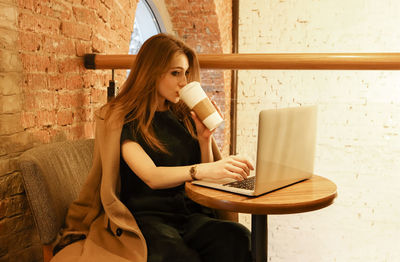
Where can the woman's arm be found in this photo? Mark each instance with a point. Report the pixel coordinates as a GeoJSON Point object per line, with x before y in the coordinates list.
{"type": "Point", "coordinates": [166, 177]}
{"type": "Point", "coordinates": [206, 150]}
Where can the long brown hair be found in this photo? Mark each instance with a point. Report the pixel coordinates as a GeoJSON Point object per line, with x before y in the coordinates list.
{"type": "Point", "coordinates": [137, 100]}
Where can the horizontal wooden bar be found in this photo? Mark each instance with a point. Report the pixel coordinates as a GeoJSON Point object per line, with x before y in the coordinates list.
{"type": "Point", "coordinates": [282, 61]}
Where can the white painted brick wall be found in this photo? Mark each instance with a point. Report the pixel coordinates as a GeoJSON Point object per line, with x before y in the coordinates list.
{"type": "Point", "coordinates": [358, 143]}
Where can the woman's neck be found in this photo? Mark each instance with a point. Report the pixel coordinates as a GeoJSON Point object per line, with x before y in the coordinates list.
{"type": "Point", "coordinates": [162, 107]}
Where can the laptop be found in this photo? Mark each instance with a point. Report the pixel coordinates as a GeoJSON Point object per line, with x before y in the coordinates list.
{"type": "Point", "coordinates": [285, 152]}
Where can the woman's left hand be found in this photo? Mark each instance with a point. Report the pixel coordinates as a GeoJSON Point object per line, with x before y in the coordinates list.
{"type": "Point", "coordinates": [203, 133]}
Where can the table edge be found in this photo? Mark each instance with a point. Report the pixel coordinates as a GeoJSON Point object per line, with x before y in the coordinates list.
{"type": "Point", "coordinates": [263, 209]}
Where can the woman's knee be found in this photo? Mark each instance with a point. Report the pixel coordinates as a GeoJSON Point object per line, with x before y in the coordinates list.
{"type": "Point", "coordinates": [169, 246]}
{"type": "Point", "coordinates": [225, 241]}
{"type": "Point", "coordinates": [164, 243]}
{"type": "Point", "coordinates": [234, 233]}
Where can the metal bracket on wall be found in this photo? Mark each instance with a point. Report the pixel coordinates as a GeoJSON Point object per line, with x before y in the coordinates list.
{"type": "Point", "coordinates": [112, 90]}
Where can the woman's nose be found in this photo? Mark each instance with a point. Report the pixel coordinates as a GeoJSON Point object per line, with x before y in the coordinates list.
{"type": "Point", "coordinates": [183, 81]}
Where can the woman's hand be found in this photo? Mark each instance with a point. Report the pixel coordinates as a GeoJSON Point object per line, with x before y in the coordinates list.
{"type": "Point", "coordinates": [203, 133]}
{"type": "Point", "coordinates": [235, 167]}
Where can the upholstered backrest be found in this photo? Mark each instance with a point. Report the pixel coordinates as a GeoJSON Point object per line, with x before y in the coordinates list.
{"type": "Point", "coordinates": [53, 175]}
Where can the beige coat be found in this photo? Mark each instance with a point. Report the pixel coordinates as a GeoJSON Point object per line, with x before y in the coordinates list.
{"type": "Point", "coordinates": [106, 229]}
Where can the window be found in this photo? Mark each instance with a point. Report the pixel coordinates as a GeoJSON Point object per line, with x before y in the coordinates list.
{"type": "Point", "coordinates": [147, 23]}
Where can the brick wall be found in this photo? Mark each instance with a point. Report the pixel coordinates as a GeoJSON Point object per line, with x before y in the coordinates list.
{"type": "Point", "coordinates": [47, 95]}
{"type": "Point", "coordinates": [206, 26]}
{"type": "Point", "coordinates": [358, 143]}
{"type": "Point", "coordinates": [17, 232]}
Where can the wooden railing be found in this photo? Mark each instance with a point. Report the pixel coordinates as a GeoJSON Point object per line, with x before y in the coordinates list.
{"type": "Point", "coordinates": [283, 61]}
{"type": "Point", "coordinates": [287, 61]}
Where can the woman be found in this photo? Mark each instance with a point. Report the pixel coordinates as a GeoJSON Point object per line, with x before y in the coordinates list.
{"type": "Point", "coordinates": [162, 145]}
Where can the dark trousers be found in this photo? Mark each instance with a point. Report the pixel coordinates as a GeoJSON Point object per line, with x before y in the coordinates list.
{"type": "Point", "coordinates": [194, 238]}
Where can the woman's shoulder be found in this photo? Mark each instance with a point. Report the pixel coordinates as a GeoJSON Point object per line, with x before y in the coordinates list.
{"type": "Point", "coordinates": [129, 131]}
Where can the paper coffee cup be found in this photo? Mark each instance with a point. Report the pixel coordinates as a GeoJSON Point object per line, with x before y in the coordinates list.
{"type": "Point", "coordinates": [197, 100]}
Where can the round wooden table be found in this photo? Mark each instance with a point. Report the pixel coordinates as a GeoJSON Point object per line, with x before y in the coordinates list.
{"type": "Point", "coordinates": [308, 195]}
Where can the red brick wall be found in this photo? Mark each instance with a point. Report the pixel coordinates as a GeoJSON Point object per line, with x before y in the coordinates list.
{"type": "Point", "coordinates": [59, 95]}
{"type": "Point", "coordinates": [46, 95]}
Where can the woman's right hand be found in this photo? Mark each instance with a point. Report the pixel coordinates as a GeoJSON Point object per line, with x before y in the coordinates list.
{"type": "Point", "coordinates": [236, 167]}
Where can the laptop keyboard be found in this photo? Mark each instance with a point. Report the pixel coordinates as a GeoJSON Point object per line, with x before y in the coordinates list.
{"type": "Point", "coordinates": [244, 184]}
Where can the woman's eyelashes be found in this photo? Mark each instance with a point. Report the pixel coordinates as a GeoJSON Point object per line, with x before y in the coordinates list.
{"type": "Point", "coordinates": [175, 73]}
{"type": "Point", "coordinates": [179, 73]}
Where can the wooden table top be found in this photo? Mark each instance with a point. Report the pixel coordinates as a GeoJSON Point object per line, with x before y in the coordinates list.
{"type": "Point", "coordinates": [311, 194]}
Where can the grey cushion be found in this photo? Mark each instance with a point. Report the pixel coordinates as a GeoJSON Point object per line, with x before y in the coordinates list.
{"type": "Point", "coordinates": [53, 175]}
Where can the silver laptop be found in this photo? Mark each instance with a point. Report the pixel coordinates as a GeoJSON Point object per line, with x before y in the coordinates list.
{"type": "Point", "coordinates": [285, 152]}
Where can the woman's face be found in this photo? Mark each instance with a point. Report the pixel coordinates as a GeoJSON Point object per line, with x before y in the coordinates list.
{"type": "Point", "coordinates": [173, 80]}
